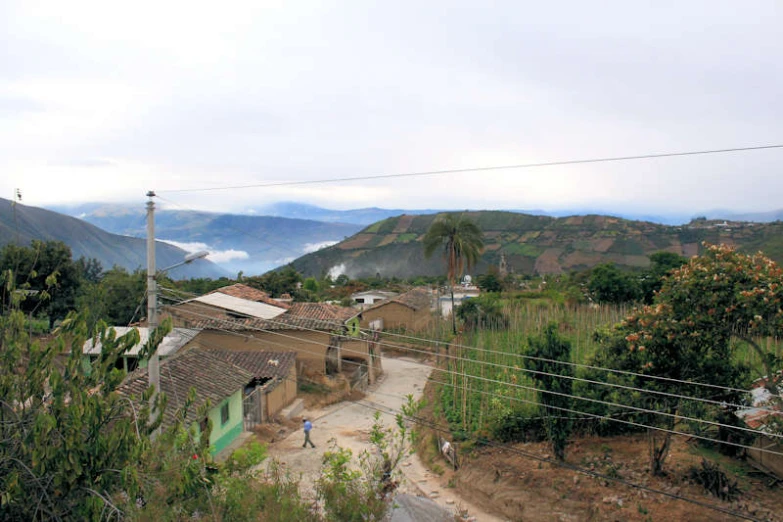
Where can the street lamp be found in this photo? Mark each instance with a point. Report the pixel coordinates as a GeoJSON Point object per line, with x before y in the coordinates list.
{"type": "Point", "coordinates": [153, 365]}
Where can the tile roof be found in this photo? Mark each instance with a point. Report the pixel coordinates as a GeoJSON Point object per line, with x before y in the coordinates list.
{"type": "Point", "coordinates": [417, 298]}
{"type": "Point", "coordinates": [176, 339]}
{"type": "Point", "coordinates": [322, 311]}
{"type": "Point", "coordinates": [283, 322]}
{"type": "Point", "coordinates": [249, 293]}
{"type": "Point", "coordinates": [214, 379]}
{"type": "Point", "coordinates": [262, 365]}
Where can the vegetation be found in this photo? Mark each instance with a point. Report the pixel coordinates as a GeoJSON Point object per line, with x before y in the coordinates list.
{"type": "Point", "coordinates": [76, 449]}
{"type": "Point", "coordinates": [536, 245]}
{"type": "Point", "coordinates": [554, 384]}
{"type": "Point", "coordinates": [715, 320]}
{"type": "Point", "coordinates": [460, 239]}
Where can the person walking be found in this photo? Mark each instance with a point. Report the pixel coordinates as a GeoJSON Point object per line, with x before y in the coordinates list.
{"type": "Point", "coordinates": [307, 427]}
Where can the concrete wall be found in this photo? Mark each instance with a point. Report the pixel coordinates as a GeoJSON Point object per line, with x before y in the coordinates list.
{"type": "Point", "coordinates": [770, 461]}
{"type": "Point", "coordinates": [281, 395]}
{"type": "Point", "coordinates": [396, 315]}
{"type": "Point", "coordinates": [223, 434]}
{"type": "Point", "coordinates": [310, 347]}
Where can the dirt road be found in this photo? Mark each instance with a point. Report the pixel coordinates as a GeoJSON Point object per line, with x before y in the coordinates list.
{"type": "Point", "coordinates": [349, 424]}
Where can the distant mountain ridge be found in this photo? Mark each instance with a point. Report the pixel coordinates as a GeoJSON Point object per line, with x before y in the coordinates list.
{"type": "Point", "coordinates": [23, 224]}
{"type": "Point", "coordinates": [534, 244]}
{"type": "Point", "coordinates": [240, 242]}
{"type": "Point", "coordinates": [369, 215]}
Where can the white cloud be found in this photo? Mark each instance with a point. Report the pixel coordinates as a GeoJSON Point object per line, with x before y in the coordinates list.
{"type": "Point", "coordinates": [272, 95]}
{"type": "Point", "coordinates": [216, 256]}
{"type": "Point", "coordinates": [313, 247]}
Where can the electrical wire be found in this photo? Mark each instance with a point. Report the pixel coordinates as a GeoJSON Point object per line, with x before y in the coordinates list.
{"type": "Point", "coordinates": [537, 390]}
{"type": "Point", "coordinates": [525, 370]}
{"type": "Point", "coordinates": [553, 361]}
{"type": "Point", "coordinates": [589, 472]}
{"type": "Point", "coordinates": [481, 169]}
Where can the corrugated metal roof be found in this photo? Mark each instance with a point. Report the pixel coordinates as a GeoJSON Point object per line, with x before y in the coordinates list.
{"type": "Point", "coordinates": [242, 306]}
{"type": "Point", "coordinates": [176, 339]}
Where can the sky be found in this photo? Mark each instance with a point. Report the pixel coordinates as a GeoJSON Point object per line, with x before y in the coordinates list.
{"type": "Point", "coordinates": [103, 101]}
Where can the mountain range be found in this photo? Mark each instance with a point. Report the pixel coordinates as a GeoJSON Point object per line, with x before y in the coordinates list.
{"type": "Point", "coordinates": [21, 224]}
{"type": "Point", "coordinates": [535, 244]}
{"type": "Point", "coordinates": [238, 242]}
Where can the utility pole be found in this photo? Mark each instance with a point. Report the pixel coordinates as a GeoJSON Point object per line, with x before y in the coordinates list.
{"type": "Point", "coordinates": [153, 364]}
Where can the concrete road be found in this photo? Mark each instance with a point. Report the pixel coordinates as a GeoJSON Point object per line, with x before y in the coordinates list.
{"type": "Point", "coordinates": [348, 425]}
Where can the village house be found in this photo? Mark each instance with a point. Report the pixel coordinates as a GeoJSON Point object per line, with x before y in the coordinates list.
{"type": "Point", "coordinates": [273, 385]}
{"type": "Point", "coordinates": [325, 337]}
{"type": "Point", "coordinates": [236, 301]}
{"type": "Point", "coordinates": [767, 450]}
{"type": "Point", "coordinates": [369, 298]}
{"type": "Point", "coordinates": [216, 382]}
{"type": "Point", "coordinates": [129, 361]}
{"type": "Point", "coordinates": [410, 311]}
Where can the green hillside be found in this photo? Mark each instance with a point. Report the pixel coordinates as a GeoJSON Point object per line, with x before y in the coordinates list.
{"type": "Point", "coordinates": [535, 244]}
{"type": "Point", "coordinates": [22, 224]}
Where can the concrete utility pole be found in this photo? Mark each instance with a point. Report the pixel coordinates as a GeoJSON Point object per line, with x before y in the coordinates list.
{"type": "Point", "coordinates": [153, 365]}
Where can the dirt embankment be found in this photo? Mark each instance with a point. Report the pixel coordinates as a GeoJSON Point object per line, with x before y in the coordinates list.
{"type": "Point", "coordinates": [505, 482]}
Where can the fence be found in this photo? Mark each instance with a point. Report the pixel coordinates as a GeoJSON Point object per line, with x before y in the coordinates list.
{"type": "Point", "coordinates": [253, 408]}
{"type": "Point", "coordinates": [360, 380]}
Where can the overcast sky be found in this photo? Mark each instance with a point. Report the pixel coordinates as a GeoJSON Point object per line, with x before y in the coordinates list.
{"type": "Point", "coordinates": [104, 100]}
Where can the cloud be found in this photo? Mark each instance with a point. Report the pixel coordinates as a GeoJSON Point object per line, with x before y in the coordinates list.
{"type": "Point", "coordinates": [273, 96]}
{"type": "Point", "coordinates": [313, 247]}
{"type": "Point", "coordinates": [216, 256]}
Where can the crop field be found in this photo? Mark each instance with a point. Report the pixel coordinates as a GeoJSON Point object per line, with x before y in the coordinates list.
{"type": "Point", "coordinates": [484, 380]}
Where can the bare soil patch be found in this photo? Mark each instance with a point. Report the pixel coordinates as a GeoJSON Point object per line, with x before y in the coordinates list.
{"type": "Point", "coordinates": [517, 487]}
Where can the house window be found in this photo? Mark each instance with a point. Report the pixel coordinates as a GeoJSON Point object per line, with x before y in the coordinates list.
{"type": "Point", "coordinates": [224, 414]}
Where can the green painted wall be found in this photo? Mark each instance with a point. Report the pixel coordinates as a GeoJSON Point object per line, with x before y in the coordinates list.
{"type": "Point", "coordinates": [353, 327]}
{"type": "Point", "coordinates": [223, 434]}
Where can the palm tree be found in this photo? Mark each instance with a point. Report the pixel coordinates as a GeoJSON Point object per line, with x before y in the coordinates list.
{"type": "Point", "coordinates": [462, 243]}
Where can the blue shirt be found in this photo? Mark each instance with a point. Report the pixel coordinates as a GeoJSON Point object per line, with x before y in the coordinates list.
{"type": "Point", "coordinates": [308, 425]}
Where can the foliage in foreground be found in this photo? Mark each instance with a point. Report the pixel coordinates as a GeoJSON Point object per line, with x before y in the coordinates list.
{"type": "Point", "coordinates": [75, 449]}
{"type": "Point", "coordinates": [350, 494]}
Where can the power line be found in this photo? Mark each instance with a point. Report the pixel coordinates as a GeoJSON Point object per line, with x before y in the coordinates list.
{"type": "Point", "coordinates": [537, 372]}
{"type": "Point", "coordinates": [436, 427]}
{"type": "Point", "coordinates": [483, 169]}
{"type": "Point", "coordinates": [444, 429]}
{"type": "Point", "coordinates": [533, 389]}
{"type": "Point", "coordinates": [578, 365]}
{"type": "Point", "coordinates": [552, 361]}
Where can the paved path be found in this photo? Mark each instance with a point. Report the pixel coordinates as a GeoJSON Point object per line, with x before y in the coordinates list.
{"type": "Point", "coordinates": [349, 425]}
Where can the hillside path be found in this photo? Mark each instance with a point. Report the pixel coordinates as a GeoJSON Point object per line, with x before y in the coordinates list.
{"type": "Point", "coordinates": [349, 425]}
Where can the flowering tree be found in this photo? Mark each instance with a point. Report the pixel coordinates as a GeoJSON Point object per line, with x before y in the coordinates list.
{"type": "Point", "coordinates": [687, 334]}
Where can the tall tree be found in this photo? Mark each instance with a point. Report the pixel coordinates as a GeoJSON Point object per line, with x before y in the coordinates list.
{"type": "Point", "coordinates": [461, 240]}
{"type": "Point", "coordinates": [687, 333]}
{"type": "Point", "coordinates": [47, 274]}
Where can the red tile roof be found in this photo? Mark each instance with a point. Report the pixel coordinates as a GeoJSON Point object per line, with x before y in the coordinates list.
{"type": "Point", "coordinates": [282, 322]}
{"type": "Point", "coordinates": [243, 291]}
{"type": "Point", "coordinates": [214, 379]}
{"type": "Point", "coordinates": [263, 365]}
{"type": "Point", "coordinates": [322, 311]}
{"type": "Point", "coordinates": [417, 298]}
